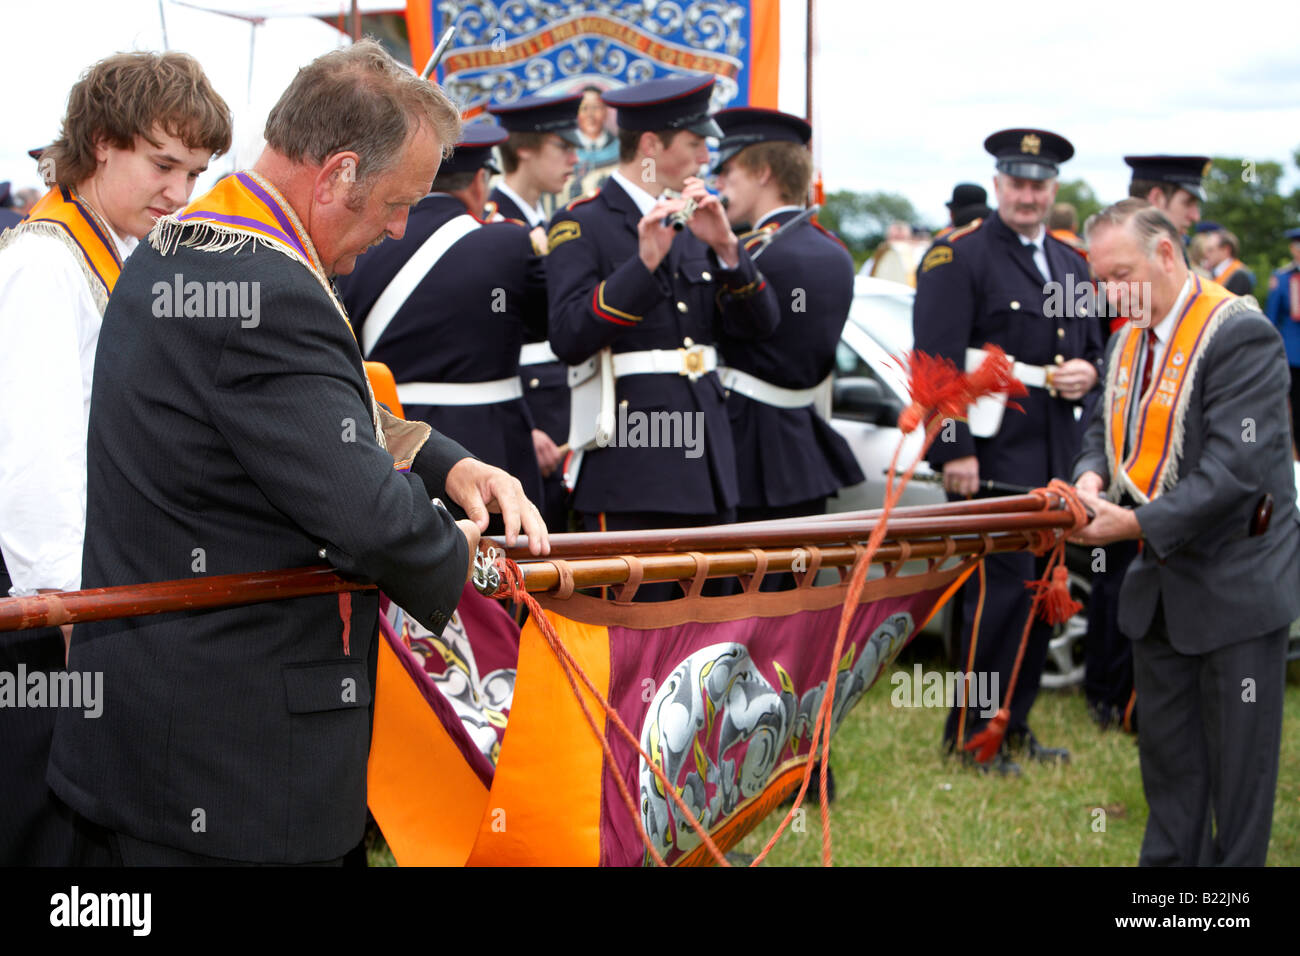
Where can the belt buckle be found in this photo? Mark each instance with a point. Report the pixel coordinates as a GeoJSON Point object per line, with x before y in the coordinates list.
{"type": "Point", "coordinates": [692, 362]}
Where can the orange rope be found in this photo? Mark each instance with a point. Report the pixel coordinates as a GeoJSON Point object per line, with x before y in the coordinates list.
{"type": "Point", "coordinates": [970, 656]}
{"type": "Point", "coordinates": [987, 741]}
{"type": "Point", "coordinates": [513, 587]}
{"type": "Point", "coordinates": [893, 492]}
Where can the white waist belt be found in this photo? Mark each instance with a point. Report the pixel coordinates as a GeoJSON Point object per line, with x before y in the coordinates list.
{"type": "Point", "coordinates": [692, 362]}
{"type": "Point", "coordinates": [1035, 376]}
{"type": "Point", "coordinates": [760, 391]}
{"type": "Point", "coordinates": [535, 353]}
{"type": "Point", "coordinates": [460, 393]}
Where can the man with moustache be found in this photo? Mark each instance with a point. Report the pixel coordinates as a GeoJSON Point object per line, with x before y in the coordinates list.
{"type": "Point", "coordinates": [138, 131]}
{"type": "Point", "coordinates": [991, 283]}
{"type": "Point", "coordinates": [224, 443]}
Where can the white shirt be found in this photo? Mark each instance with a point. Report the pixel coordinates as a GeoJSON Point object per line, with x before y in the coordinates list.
{"type": "Point", "coordinates": [49, 328]}
{"type": "Point", "coordinates": [596, 143]}
{"type": "Point", "coordinates": [1164, 329]}
{"type": "Point", "coordinates": [1219, 269]}
{"type": "Point", "coordinates": [533, 214]}
{"type": "Point", "coordinates": [1040, 256]}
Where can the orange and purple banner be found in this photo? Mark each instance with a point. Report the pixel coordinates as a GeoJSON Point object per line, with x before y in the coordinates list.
{"type": "Point", "coordinates": [482, 754]}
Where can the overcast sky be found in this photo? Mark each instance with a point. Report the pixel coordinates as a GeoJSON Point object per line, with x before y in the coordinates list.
{"type": "Point", "coordinates": [905, 91]}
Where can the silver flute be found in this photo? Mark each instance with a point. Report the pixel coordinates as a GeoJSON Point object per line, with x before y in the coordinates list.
{"type": "Point", "coordinates": [681, 217]}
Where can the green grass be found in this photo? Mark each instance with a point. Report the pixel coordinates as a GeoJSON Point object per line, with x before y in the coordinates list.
{"type": "Point", "coordinates": [900, 802]}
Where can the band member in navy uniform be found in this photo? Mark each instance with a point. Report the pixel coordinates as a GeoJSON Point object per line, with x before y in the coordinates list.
{"type": "Point", "coordinates": [621, 276]}
{"type": "Point", "coordinates": [788, 458]}
{"type": "Point", "coordinates": [450, 326]}
{"type": "Point", "coordinates": [1173, 185]}
{"type": "Point", "coordinates": [538, 158]}
{"type": "Point", "coordinates": [539, 155]}
{"type": "Point", "coordinates": [990, 284]}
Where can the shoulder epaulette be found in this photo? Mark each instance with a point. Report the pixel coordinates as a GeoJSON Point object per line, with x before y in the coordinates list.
{"type": "Point", "coordinates": [827, 232]}
{"type": "Point", "coordinates": [962, 231]}
{"type": "Point", "coordinates": [580, 200]}
{"type": "Point", "coordinates": [756, 236]}
{"type": "Point", "coordinates": [1073, 245]}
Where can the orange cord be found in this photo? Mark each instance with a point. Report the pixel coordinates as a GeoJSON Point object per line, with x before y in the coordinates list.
{"type": "Point", "coordinates": [513, 585]}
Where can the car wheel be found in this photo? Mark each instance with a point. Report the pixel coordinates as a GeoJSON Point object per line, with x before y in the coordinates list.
{"type": "Point", "coordinates": [1065, 653]}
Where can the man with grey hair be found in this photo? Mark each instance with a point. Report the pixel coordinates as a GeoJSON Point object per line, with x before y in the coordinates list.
{"type": "Point", "coordinates": [1193, 444]}
{"type": "Point", "coordinates": [233, 429]}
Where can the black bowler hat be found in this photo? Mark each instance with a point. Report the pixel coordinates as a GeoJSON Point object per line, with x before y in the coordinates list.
{"type": "Point", "coordinates": [1292, 234]}
{"type": "Point", "coordinates": [967, 194]}
{"type": "Point", "coordinates": [969, 202]}
{"type": "Point", "coordinates": [675, 102]}
{"type": "Point", "coordinates": [474, 149]}
{"type": "Point", "coordinates": [746, 125]}
{"type": "Point", "coordinates": [1185, 172]}
{"type": "Point", "coordinates": [541, 114]}
{"type": "Point", "coordinates": [1029, 153]}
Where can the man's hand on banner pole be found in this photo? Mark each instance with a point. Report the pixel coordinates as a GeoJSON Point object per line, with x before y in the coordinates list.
{"type": "Point", "coordinates": [480, 488]}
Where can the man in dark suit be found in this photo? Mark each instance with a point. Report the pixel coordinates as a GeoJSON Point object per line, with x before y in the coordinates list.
{"type": "Point", "coordinates": [1221, 248]}
{"type": "Point", "coordinates": [620, 277]}
{"type": "Point", "coordinates": [1192, 440]}
{"type": "Point", "coordinates": [446, 308]}
{"type": "Point", "coordinates": [1173, 185]}
{"type": "Point", "coordinates": [1009, 283]}
{"type": "Point", "coordinates": [243, 436]}
{"type": "Point", "coordinates": [788, 458]}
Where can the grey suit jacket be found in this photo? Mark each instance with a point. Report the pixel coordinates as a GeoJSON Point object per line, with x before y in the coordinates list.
{"type": "Point", "coordinates": [1219, 585]}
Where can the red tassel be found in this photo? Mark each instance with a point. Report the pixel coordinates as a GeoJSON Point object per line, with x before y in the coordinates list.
{"type": "Point", "coordinates": [988, 740]}
{"type": "Point", "coordinates": [1055, 606]}
{"type": "Point", "coordinates": [994, 375]}
{"type": "Point", "coordinates": [936, 386]}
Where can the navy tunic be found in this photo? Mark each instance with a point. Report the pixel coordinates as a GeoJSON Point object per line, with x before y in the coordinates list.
{"type": "Point", "coordinates": [786, 456]}
{"type": "Point", "coordinates": [601, 294]}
